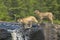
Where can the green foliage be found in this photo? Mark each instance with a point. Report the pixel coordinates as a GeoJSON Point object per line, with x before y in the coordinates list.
{"type": "Point", "coordinates": [13, 9]}
{"type": "Point", "coordinates": [57, 22]}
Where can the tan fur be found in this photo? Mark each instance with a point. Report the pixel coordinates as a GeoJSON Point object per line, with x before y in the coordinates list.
{"type": "Point", "coordinates": [28, 19]}
{"type": "Point", "coordinates": [44, 15]}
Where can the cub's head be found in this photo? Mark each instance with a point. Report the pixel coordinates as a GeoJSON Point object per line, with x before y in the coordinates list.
{"type": "Point", "coordinates": [19, 20]}
{"type": "Point", "coordinates": [36, 11]}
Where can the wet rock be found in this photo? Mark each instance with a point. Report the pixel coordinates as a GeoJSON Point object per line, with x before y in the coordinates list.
{"type": "Point", "coordinates": [4, 34]}
{"type": "Point", "coordinates": [43, 31]}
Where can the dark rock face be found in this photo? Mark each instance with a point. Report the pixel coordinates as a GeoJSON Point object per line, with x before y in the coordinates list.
{"type": "Point", "coordinates": [4, 34]}
{"type": "Point", "coordinates": [43, 31]}
{"type": "Point", "coordinates": [34, 33]}
{"type": "Point", "coordinates": [37, 35]}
